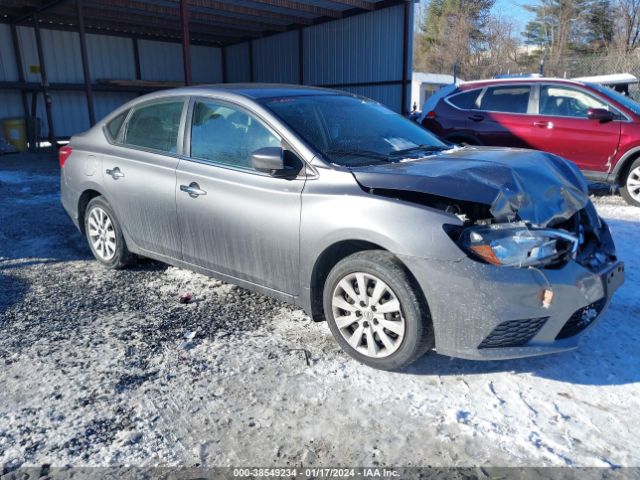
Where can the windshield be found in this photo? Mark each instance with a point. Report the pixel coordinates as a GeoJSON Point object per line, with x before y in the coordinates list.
{"type": "Point", "coordinates": [351, 131]}
{"type": "Point", "coordinates": [618, 97]}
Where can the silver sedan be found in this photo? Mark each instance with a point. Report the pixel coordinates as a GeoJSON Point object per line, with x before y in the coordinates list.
{"type": "Point", "coordinates": [338, 205]}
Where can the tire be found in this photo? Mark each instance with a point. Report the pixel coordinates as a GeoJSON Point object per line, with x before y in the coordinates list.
{"type": "Point", "coordinates": [630, 188]}
{"type": "Point", "coordinates": [106, 241]}
{"type": "Point", "coordinates": [400, 335]}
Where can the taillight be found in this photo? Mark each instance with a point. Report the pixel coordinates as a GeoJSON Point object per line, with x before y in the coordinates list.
{"type": "Point", "coordinates": [431, 114]}
{"type": "Point", "coordinates": [63, 154]}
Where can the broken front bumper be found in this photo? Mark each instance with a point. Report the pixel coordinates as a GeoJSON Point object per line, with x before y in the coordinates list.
{"type": "Point", "coordinates": [484, 312]}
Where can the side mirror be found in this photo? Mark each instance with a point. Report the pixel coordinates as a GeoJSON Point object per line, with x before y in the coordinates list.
{"type": "Point", "coordinates": [276, 162]}
{"type": "Point", "coordinates": [600, 114]}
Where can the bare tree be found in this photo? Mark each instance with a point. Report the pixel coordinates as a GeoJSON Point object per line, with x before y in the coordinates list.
{"type": "Point", "coordinates": [627, 27]}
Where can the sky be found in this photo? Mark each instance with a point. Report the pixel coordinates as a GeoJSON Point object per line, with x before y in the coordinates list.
{"type": "Point", "coordinates": [512, 9]}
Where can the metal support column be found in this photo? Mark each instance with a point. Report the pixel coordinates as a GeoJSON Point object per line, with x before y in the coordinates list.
{"type": "Point", "coordinates": [405, 54]}
{"type": "Point", "coordinates": [186, 53]}
{"type": "Point", "coordinates": [44, 81]}
{"type": "Point", "coordinates": [136, 58]}
{"type": "Point", "coordinates": [85, 64]}
{"type": "Point", "coordinates": [19, 68]}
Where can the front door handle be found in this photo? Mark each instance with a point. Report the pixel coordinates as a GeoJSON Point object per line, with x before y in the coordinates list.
{"type": "Point", "coordinates": [115, 173]}
{"type": "Point", "coordinates": [193, 189]}
{"type": "Point", "coordinates": [476, 118]}
{"type": "Point", "coordinates": [543, 124]}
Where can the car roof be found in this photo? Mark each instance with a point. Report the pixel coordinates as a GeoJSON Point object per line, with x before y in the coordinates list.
{"type": "Point", "coordinates": [254, 90]}
{"type": "Point", "coordinates": [516, 81]}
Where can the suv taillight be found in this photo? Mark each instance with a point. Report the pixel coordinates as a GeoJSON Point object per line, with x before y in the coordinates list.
{"type": "Point", "coordinates": [63, 154]}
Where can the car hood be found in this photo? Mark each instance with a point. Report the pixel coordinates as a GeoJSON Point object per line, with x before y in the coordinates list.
{"type": "Point", "coordinates": [516, 184]}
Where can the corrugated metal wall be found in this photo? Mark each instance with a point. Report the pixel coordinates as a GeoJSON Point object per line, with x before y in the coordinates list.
{"type": "Point", "coordinates": [110, 57]}
{"type": "Point", "coordinates": [363, 49]}
{"type": "Point", "coordinates": [237, 59]}
{"type": "Point", "coordinates": [8, 71]}
{"type": "Point", "coordinates": [355, 54]}
{"type": "Point", "coordinates": [10, 102]}
{"type": "Point", "coordinates": [276, 59]}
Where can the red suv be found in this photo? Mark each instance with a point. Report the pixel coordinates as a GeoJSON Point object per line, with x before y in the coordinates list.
{"type": "Point", "coordinates": [589, 124]}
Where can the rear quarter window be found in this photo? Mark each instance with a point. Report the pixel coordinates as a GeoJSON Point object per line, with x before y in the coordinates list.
{"type": "Point", "coordinates": [113, 127]}
{"type": "Point", "coordinates": [465, 100]}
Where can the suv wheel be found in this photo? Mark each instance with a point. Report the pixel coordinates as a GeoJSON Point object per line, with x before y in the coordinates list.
{"type": "Point", "coordinates": [374, 312]}
{"type": "Point", "coordinates": [105, 236]}
{"type": "Point", "coordinates": [631, 189]}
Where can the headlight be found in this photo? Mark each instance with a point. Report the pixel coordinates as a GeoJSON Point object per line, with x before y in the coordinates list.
{"type": "Point", "coordinates": [516, 245]}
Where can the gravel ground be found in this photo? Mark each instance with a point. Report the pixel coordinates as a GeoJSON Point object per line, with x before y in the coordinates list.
{"type": "Point", "coordinates": [107, 368]}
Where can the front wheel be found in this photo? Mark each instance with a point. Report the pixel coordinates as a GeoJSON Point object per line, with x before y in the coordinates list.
{"type": "Point", "coordinates": [105, 236]}
{"type": "Point", "coordinates": [631, 188]}
{"type": "Point", "coordinates": [374, 311]}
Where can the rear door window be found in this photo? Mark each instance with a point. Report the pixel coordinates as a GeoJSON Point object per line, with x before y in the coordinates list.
{"type": "Point", "coordinates": [507, 99]}
{"type": "Point", "coordinates": [465, 100]}
{"type": "Point", "coordinates": [155, 126]}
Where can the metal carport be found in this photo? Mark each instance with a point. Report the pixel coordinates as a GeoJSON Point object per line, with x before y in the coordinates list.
{"type": "Point", "coordinates": [70, 62]}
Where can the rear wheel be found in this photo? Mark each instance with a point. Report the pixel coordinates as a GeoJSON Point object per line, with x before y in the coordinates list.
{"type": "Point", "coordinates": [374, 311]}
{"type": "Point", "coordinates": [631, 188]}
{"type": "Point", "coordinates": [105, 236]}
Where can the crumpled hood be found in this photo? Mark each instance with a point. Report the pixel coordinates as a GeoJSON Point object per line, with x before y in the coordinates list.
{"type": "Point", "coordinates": [519, 184]}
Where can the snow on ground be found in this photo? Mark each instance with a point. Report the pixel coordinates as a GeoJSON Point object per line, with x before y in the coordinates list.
{"type": "Point", "coordinates": [104, 368]}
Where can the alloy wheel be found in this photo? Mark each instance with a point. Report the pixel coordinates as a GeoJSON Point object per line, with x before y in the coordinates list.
{"type": "Point", "coordinates": [102, 234]}
{"type": "Point", "coordinates": [633, 184]}
{"type": "Point", "coordinates": [368, 314]}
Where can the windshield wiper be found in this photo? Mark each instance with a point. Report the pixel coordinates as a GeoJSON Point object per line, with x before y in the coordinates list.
{"type": "Point", "coordinates": [359, 153]}
{"type": "Point", "coordinates": [418, 148]}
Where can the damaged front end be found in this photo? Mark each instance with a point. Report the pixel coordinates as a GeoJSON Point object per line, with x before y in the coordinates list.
{"type": "Point", "coordinates": [584, 237]}
{"type": "Point", "coordinates": [516, 208]}
{"type": "Point", "coordinates": [540, 265]}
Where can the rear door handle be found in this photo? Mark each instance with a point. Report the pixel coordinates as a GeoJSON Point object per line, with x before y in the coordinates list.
{"type": "Point", "coordinates": [543, 124]}
{"type": "Point", "coordinates": [193, 189]}
{"type": "Point", "coordinates": [115, 173]}
{"type": "Point", "coordinates": [476, 118]}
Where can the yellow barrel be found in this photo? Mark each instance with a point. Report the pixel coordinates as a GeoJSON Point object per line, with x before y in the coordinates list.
{"type": "Point", "coordinates": [15, 132]}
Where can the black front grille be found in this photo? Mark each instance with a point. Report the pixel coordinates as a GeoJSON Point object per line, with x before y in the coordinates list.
{"type": "Point", "coordinates": [513, 333]}
{"type": "Point", "coordinates": [581, 319]}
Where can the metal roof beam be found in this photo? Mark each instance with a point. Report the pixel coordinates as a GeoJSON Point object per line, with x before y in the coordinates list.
{"type": "Point", "coordinates": [132, 28]}
{"type": "Point", "coordinates": [362, 4]}
{"type": "Point", "coordinates": [198, 17]}
{"type": "Point", "coordinates": [131, 18]}
{"type": "Point", "coordinates": [42, 7]}
{"type": "Point", "coordinates": [100, 13]}
{"type": "Point", "coordinates": [253, 12]}
{"type": "Point", "coordinates": [301, 7]}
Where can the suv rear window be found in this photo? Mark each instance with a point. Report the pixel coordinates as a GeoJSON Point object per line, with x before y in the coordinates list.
{"type": "Point", "coordinates": [465, 100]}
{"type": "Point", "coordinates": [511, 99]}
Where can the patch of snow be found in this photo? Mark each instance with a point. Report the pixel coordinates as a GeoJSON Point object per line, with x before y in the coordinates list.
{"type": "Point", "coordinates": [97, 372]}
